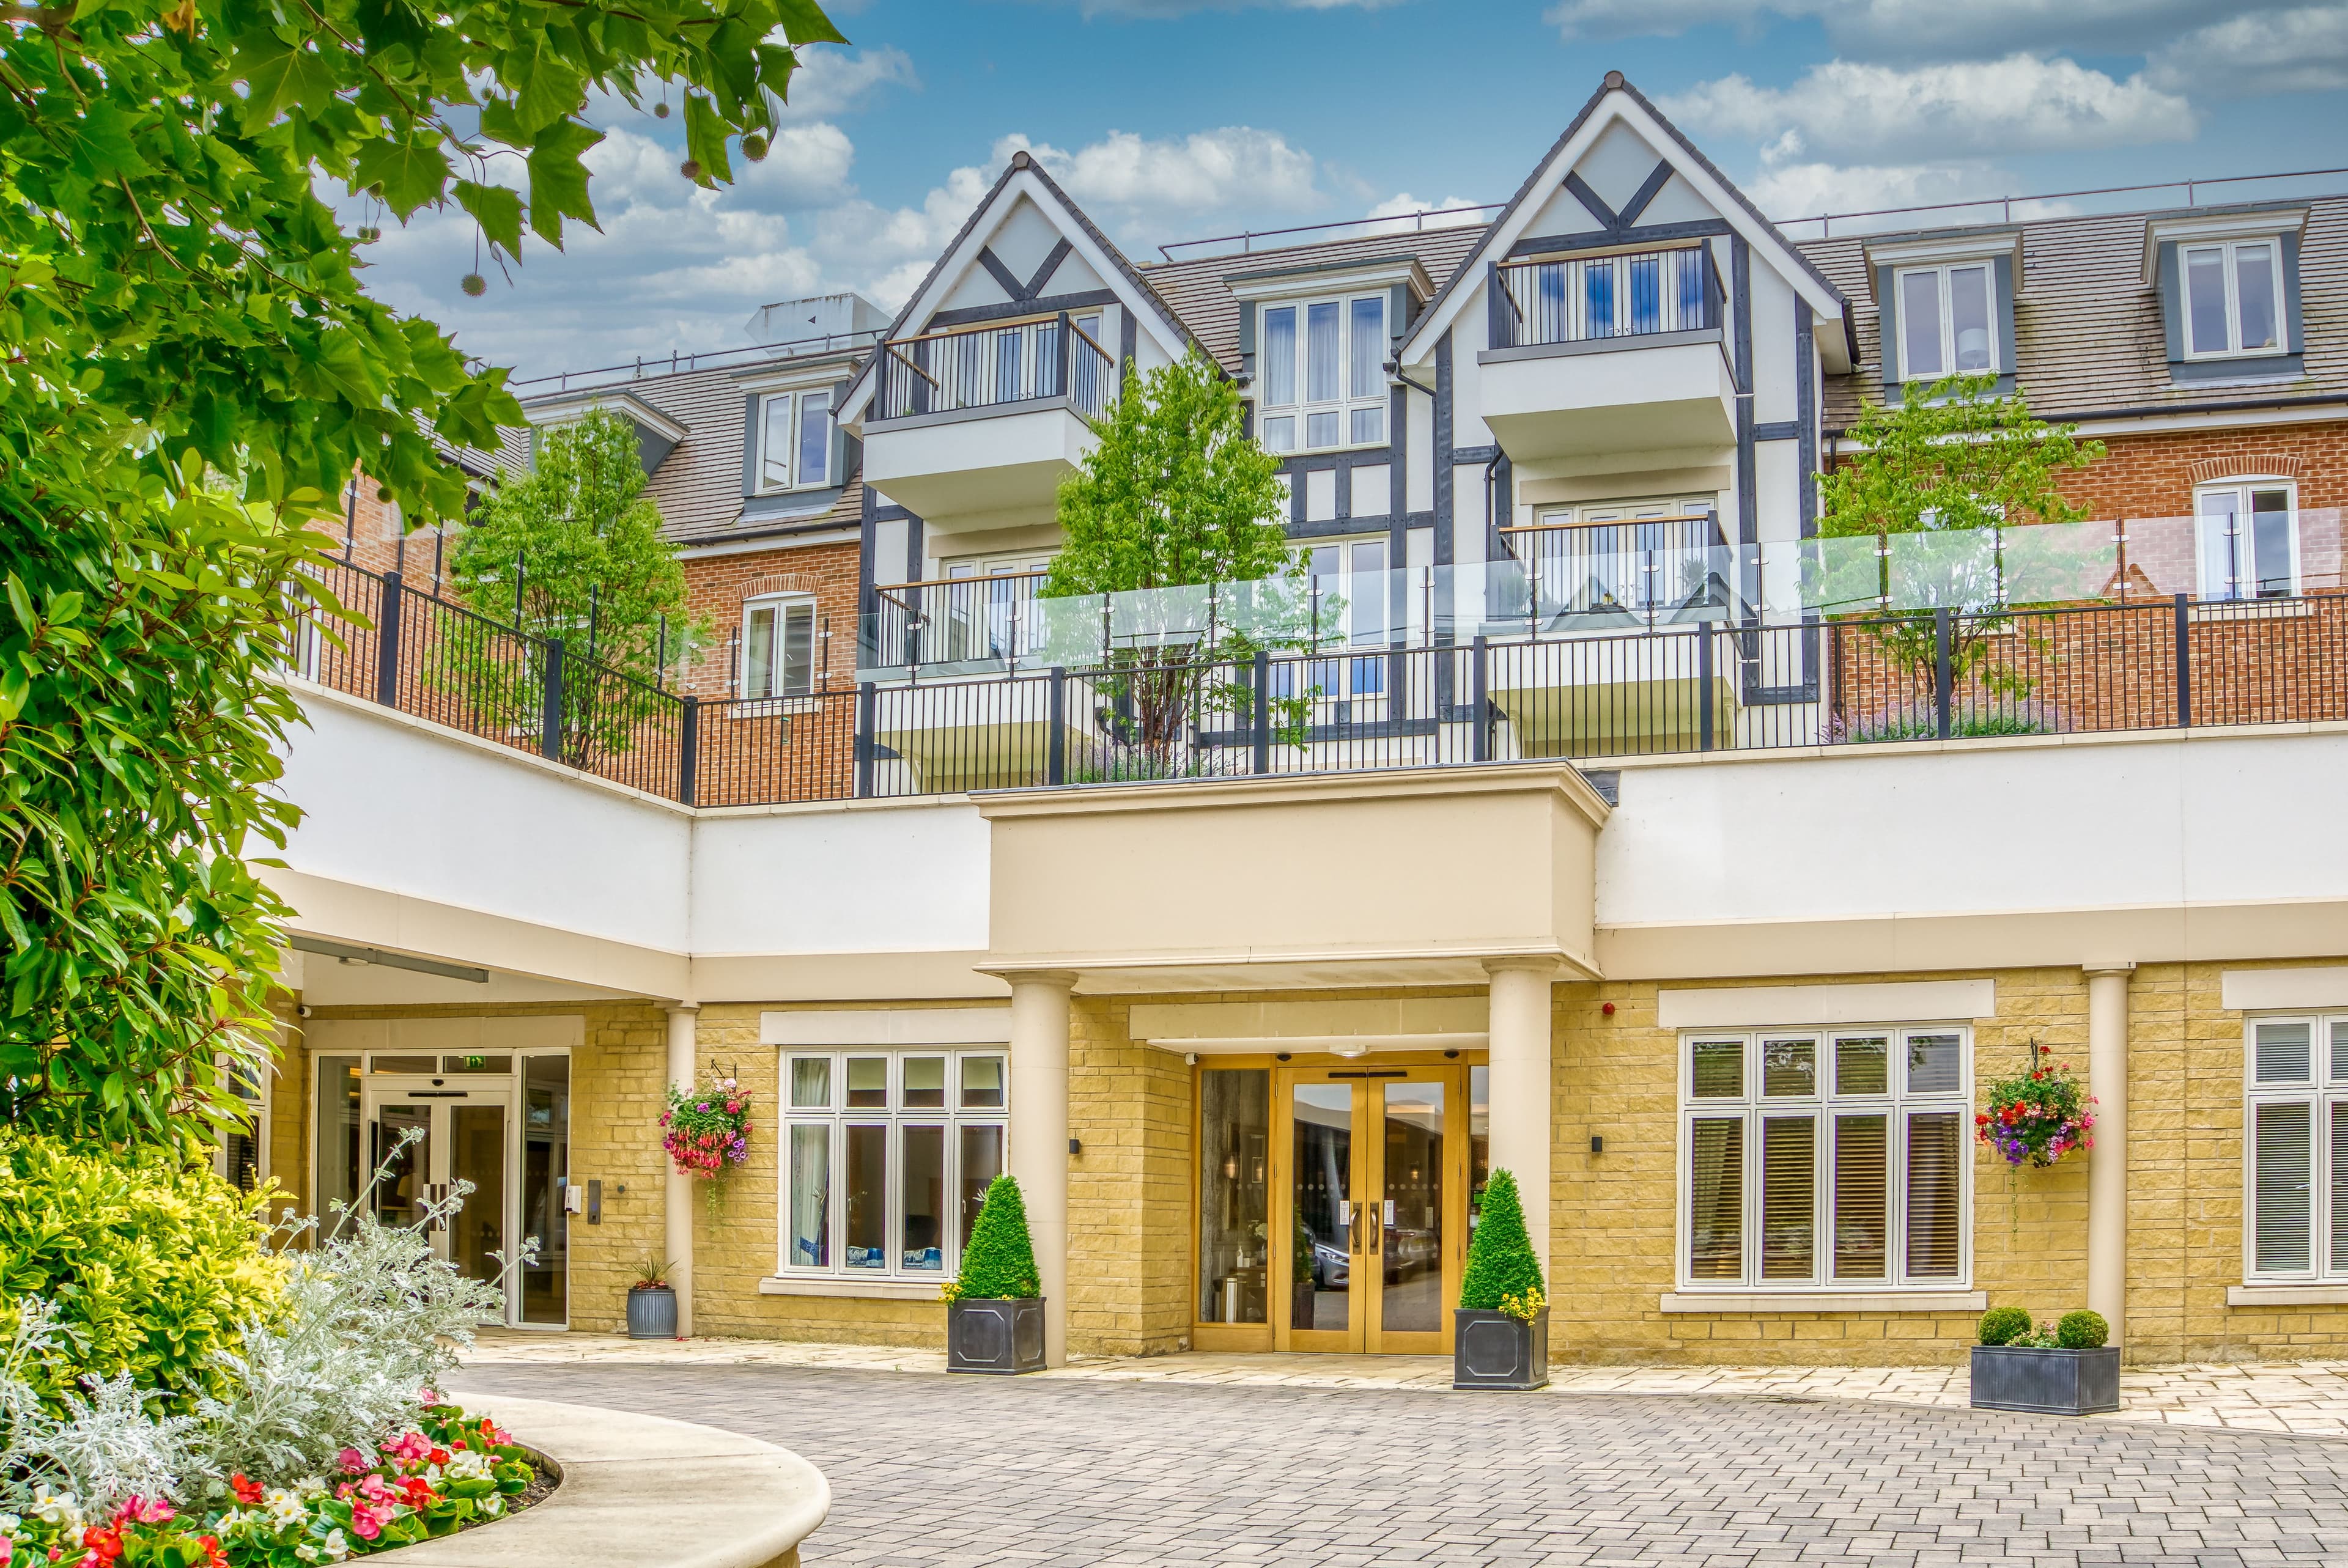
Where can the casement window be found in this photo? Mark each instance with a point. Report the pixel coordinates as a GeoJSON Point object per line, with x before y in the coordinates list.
{"type": "Point", "coordinates": [241, 1156]}
{"type": "Point", "coordinates": [1831, 1159]}
{"type": "Point", "coordinates": [2233, 298]}
{"type": "Point", "coordinates": [779, 647]}
{"type": "Point", "coordinates": [1321, 378]}
{"type": "Point", "coordinates": [888, 1156]}
{"type": "Point", "coordinates": [794, 437]}
{"type": "Point", "coordinates": [2296, 1149]}
{"type": "Point", "coordinates": [2247, 539]}
{"type": "Point", "coordinates": [1948, 321]}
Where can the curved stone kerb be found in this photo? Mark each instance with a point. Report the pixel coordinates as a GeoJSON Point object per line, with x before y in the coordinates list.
{"type": "Point", "coordinates": [639, 1491]}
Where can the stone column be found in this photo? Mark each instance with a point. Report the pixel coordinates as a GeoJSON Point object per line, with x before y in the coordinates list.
{"type": "Point", "coordinates": [1039, 1135]}
{"type": "Point", "coordinates": [2107, 1172]}
{"type": "Point", "coordinates": [676, 1247]}
{"type": "Point", "coordinates": [1522, 1085]}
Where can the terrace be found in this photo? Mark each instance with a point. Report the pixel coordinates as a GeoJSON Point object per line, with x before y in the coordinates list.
{"type": "Point", "coordinates": [1638, 638]}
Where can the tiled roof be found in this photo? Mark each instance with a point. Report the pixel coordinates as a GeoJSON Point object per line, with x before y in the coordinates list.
{"type": "Point", "coordinates": [1197, 293]}
{"type": "Point", "coordinates": [698, 486]}
{"type": "Point", "coordinates": [2088, 333]}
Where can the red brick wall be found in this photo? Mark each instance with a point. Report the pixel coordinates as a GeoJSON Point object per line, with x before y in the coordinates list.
{"type": "Point", "coordinates": [716, 587]}
{"type": "Point", "coordinates": [791, 749]}
{"type": "Point", "coordinates": [2154, 476]}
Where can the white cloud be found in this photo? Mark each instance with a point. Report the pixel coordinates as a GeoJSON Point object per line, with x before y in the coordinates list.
{"type": "Point", "coordinates": [1847, 111]}
{"type": "Point", "coordinates": [2303, 50]}
{"type": "Point", "coordinates": [1400, 213]}
{"type": "Point", "coordinates": [1168, 10]}
{"type": "Point", "coordinates": [1234, 168]}
{"type": "Point", "coordinates": [1909, 29]}
{"type": "Point", "coordinates": [834, 81]}
{"type": "Point", "coordinates": [1794, 190]}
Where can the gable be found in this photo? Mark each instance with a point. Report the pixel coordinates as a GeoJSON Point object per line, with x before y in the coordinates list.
{"type": "Point", "coordinates": [1620, 173]}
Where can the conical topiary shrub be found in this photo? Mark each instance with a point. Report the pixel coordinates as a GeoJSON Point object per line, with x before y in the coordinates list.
{"type": "Point", "coordinates": [999, 1261]}
{"type": "Point", "coordinates": [1503, 1275]}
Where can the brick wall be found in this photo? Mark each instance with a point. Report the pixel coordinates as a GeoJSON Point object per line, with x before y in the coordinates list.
{"type": "Point", "coordinates": [1129, 1190]}
{"type": "Point", "coordinates": [2154, 476]}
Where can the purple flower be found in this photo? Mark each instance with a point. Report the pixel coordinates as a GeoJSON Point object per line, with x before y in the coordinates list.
{"type": "Point", "coordinates": [701, 1108]}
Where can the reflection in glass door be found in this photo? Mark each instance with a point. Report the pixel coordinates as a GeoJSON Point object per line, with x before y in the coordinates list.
{"type": "Point", "coordinates": [1372, 1194]}
{"type": "Point", "coordinates": [429, 1139]}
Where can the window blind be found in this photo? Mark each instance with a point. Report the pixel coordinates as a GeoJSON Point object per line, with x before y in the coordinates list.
{"type": "Point", "coordinates": [1716, 1197]}
{"type": "Point", "coordinates": [1935, 1148]}
{"type": "Point", "coordinates": [2283, 1171]}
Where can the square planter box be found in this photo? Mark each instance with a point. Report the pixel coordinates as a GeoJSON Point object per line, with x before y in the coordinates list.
{"type": "Point", "coordinates": [1000, 1333]}
{"type": "Point", "coordinates": [2047, 1382]}
{"type": "Point", "coordinates": [1493, 1350]}
{"type": "Point", "coordinates": [652, 1313]}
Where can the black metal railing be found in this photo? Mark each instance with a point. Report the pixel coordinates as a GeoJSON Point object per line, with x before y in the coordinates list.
{"type": "Point", "coordinates": [955, 620]}
{"type": "Point", "coordinates": [1583, 299]}
{"type": "Point", "coordinates": [1715, 683]}
{"type": "Point", "coordinates": [985, 367]}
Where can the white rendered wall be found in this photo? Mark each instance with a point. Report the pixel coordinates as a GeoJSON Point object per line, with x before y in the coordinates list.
{"type": "Point", "coordinates": [892, 878]}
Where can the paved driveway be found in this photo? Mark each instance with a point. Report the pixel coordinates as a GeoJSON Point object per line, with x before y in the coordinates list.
{"type": "Point", "coordinates": [946, 1471]}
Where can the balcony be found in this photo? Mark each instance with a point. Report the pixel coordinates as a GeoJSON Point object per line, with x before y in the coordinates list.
{"type": "Point", "coordinates": [973, 428]}
{"type": "Point", "coordinates": [955, 625]}
{"type": "Point", "coordinates": [1608, 353]}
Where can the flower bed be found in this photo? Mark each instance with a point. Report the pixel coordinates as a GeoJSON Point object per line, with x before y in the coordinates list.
{"type": "Point", "coordinates": [449, 1473]}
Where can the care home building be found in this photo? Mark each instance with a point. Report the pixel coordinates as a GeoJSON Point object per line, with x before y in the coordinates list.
{"type": "Point", "coordinates": [1619, 830]}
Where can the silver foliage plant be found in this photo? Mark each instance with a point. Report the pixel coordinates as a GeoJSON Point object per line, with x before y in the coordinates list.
{"type": "Point", "coordinates": [370, 1318]}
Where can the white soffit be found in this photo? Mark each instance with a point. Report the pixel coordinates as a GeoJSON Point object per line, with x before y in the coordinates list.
{"type": "Point", "coordinates": [1892, 1001]}
{"type": "Point", "coordinates": [523, 1031]}
{"type": "Point", "coordinates": [1399, 1023]}
{"type": "Point", "coordinates": [2254, 990]}
{"type": "Point", "coordinates": [830, 1027]}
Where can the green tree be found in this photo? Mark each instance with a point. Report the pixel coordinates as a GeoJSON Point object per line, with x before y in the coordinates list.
{"type": "Point", "coordinates": [1500, 1261]}
{"type": "Point", "coordinates": [1959, 462]}
{"type": "Point", "coordinates": [1176, 496]}
{"type": "Point", "coordinates": [193, 373]}
{"type": "Point", "coordinates": [582, 542]}
{"type": "Point", "coordinates": [999, 1261]}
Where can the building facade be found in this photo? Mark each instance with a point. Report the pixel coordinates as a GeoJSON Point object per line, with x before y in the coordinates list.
{"type": "Point", "coordinates": [1633, 837]}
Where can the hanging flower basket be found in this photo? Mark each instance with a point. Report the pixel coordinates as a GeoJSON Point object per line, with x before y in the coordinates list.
{"type": "Point", "coordinates": [707, 1129]}
{"type": "Point", "coordinates": [2037, 1117]}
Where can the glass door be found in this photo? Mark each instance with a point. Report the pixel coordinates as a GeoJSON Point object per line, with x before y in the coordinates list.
{"type": "Point", "coordinates": [458, 1135]}
{"type": "Point", "coordinates": [1374, 1200]}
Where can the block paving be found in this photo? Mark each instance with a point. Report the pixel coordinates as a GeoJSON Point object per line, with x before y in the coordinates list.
{"type": "Point", "coordinates": [1090, 1468]}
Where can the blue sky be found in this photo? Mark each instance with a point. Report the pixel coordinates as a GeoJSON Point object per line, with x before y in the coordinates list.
{"type": "Point", "coordinates": [1170, 118]}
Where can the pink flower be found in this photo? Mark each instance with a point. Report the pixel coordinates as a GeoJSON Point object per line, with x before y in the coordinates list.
{"type": "Point", "coordinates": [412, 1448]}
{"type": "Point", "coordinates": [137, 1509]}
{"type": "Point", "coordinates": [351, 1461]}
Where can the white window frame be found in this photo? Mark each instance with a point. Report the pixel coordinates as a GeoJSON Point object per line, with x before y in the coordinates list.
{"type": "Point", "coordinates": [1344, 405]}
{"type": "Point", "coordinates": [2231, 249]}
{"type": "Point", "coordinates": [259, 1103]}
{"type": "Point", "coordinates": [838, 1117]}
{"type": "Point", "coordinates": [2241, 486]}
{"type": "Point", "coordinates": [2324, 1086]}
{"type": "Point", "coordinates": [1895, 1105]}
{"type": "Point", "coordinates": [795, 401]}
{"type": "Point", "coordinates": [782, 604]}
{"type": "Point", "coordinates": [1948, 302]}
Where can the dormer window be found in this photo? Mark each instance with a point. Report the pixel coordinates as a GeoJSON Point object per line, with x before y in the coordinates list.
{"type": "Point", "coordinates": [1322, 373]}
{"type": "Point", "coordinates": [1947, 322]}
{"type": "Point", "coordinates": [795, 440]}
{"type": "Point", "coordinates": [2233, 298]}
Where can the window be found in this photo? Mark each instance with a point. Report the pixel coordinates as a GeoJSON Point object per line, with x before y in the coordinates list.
{"type": "Point", "coordinates": [1947, 325]}
{"type": "Point", "coordinates": [1348, 606]}
{"type": "Point", "coordinates": [779, 638]}
{"type": "Point", "coordinates": [2246, 541]}
{"type": "Point", "coordinates": [1826, 1158]}
{"type": "Point", "coordinates": [2233, 298]}
{"type": "Point", "coordinates": [890, 1154]}
{"type": "Point", "coordinates": [1324, 378]}
{"type": "Point", "coordinates": [241, 1156]}
{"type": "Point", "coordinates": [2297, 1148]}
{"type": "Point", "coordinates": [795, 440]}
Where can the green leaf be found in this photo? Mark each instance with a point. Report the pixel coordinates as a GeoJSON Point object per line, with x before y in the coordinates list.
{"type": "Point", "coordinates": [705, 141]}
{"type": "Point", "coordinates": [558, 180]}
{"type": "Point", "coordinates": [279, 75]}
{"type": "Point", "coordinates": [412, 174]}
{"type": "Point", "coordinates": [497, 209]}
{"type": "Point", "coordinates": [805, 23]}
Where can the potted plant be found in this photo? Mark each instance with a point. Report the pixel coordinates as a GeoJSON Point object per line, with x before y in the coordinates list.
{"type": "Point", "coordinates": [994, 1307]}
{"type": "Point", "coordinates": [1499, 1337]}
{"type": "Point", "coordinates": [2064, 1370]}
{"type": "Point", "coordinates": [652, 1305]}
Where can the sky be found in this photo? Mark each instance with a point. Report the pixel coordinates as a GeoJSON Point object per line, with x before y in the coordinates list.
{"type": "Point", "coordinates": [1169, 120]}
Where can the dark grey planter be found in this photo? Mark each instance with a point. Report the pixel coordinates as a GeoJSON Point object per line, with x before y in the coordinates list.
{"type": "Point", "coordinates": [1493, 1350]}
{"type": "Point", "coordinates": [995, 1334]}
{"type": "Point", "coordinates": [2047, 1382]}
{"type": "Point", "coordinates": [652, 1312]}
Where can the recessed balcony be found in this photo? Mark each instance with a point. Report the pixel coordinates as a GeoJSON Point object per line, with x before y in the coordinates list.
{"type": "Point", "coordinates": [973, 428]}
{"type": "Point", "coordinates": [1608, 353]}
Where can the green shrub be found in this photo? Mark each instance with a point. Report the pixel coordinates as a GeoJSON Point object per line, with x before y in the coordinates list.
{"type": "Point", "coordinates": [1501, 1267]}
{"type": "Point", "coordinates": [1000, 1260]}
{"type": "Point", "coordinates": [2004, 1325]}
{"type": "Point", "coordinates": [2082, 1330]}
{"type": "Point", "coordinates": [152, 1264]}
